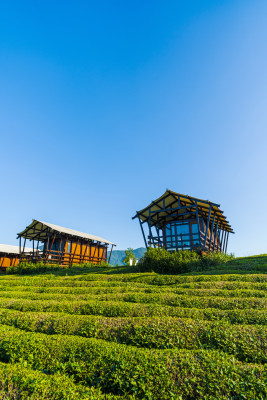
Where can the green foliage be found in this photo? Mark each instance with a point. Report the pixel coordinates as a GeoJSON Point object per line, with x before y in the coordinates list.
{"type": "Point", "coordinates": [144, 373]}
{"type": "Point", "coordinates": [129, 255]}
{"type": "Point", "coordinates": [247, 343]}
{"type": "Point", "coordinates": [17, 381]}
{"type": "Point", "coordinates": [165, 262]}
{"type": "Point", "coordinates": [27, 268]}
{"type": "Point", "coordinates": [124, 309]}
{"type": "Point", "coordinates": [214, 259]}
{"type": "Point", "coordinates": [99, 332]}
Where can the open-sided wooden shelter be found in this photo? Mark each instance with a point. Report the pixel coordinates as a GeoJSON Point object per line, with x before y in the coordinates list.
{"type": "Point", "coordinates": [9, 255]}
{"type": "Point", "coordinates": [57, 245]}
{"type": "Point", "coordinates": [178, 222]}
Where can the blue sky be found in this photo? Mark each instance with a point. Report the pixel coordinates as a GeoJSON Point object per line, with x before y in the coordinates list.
{"type": "Point", "coordinates": [104, 105]}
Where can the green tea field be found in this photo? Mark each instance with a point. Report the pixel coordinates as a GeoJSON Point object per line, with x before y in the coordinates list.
{"type": "Point", "coordinates": [113, 333]}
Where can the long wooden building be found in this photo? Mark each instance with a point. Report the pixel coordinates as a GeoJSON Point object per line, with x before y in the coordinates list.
{"type": "Point", "coordinates": [179, 222]}
{"type": "Point", "coordinates": [58, 245]}
{"type": "Point", "coordinates": [9, 255]}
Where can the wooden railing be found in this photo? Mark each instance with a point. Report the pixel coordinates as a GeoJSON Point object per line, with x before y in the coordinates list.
{"type": "Point", "coordinates": [185, 241]}
{"type": "Point", "coordinates": [63, 258]}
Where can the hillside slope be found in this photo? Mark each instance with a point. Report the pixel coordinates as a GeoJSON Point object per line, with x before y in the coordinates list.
{"type": "Point", "coordinates": [118, 256]}
{"type": "Point", "coordinates": [81, 334]}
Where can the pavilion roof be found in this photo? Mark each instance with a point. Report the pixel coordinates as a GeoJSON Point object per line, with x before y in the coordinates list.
{"type": "Point", "coordinates": [159, 209]}
{"type": "Point", "coordinates": [41, 230]}
{"type": "Point", "coordinates": [10, 249]}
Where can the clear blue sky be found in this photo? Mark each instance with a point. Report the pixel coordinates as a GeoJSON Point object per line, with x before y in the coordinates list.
{"type": "Point", "coordinates": [105, 104]}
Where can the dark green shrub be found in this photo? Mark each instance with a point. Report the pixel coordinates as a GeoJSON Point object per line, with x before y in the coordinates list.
{"type": "Point", "coordinates": [165, 262]}
{"type": "Point", "coordinates": [177, 262]}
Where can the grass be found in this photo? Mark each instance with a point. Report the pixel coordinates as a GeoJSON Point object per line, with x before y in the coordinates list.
{"type": "Point", "coordinates": [115, 333]}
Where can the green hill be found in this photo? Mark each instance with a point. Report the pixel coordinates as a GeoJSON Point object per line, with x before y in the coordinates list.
{"type": "Point", "coordinates": [115, 333]}
{"type": "Point", "coordinates": [118, 256]}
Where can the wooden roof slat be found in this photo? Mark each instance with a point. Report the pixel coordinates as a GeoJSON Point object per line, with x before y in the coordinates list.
{"type": "Point", "coordinates": [30, 232]}
{"type": "Point", "coordinates": [203, 205]}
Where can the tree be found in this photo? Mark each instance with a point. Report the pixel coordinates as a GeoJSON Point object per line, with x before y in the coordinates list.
{"type": "Point", "coordinates": [130, 258]}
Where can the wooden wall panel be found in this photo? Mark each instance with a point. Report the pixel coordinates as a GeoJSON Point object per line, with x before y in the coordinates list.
{"type": "Point", "coordinates": [8, 261]}
{"type": "Point", "coordinates": [74, 253]}
{"type": "Point", "coordinates": [83, 253]}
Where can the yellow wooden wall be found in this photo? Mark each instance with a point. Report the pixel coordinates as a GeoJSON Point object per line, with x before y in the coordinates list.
{"type": "Point", "coordinates": [8, 261]}
{"type": "Point", "coordinates": [82, 253]}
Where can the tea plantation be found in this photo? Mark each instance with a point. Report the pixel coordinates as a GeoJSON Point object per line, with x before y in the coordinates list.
{"type": "Point", "coordinates": [114, 333]}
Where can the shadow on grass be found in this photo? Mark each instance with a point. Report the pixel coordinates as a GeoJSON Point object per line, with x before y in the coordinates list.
{"type": "Point", "coordinates": [243, 265]}
{"type": "Point", "coordinates": [95, 270]}
{"type": "Point", "coordinates": [72, 270]}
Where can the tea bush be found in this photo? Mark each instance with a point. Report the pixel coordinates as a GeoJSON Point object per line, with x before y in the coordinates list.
{"type": "Point", "coordinates": [21, 382]}
{"type": "Point", "coordinates": [247, 343]}
{"type": "Point", "coordinates": [117, 309]}
{"type": "Point", "coordinates": [165, 262]}
{"type": "Point", "coordinates": [124, 370]}
{"type": "Point", "coordinates": [99, 332]}
{"type": "Point", "coordinates": [28, 268]}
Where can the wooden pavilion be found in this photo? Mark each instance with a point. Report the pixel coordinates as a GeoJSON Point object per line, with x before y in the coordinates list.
{"type": "Point", "coordinates": [58, 245]}
{"type": "Point", "coordinates": [9, 256]}
{"type": "Point", "coordinates": [178, 222]}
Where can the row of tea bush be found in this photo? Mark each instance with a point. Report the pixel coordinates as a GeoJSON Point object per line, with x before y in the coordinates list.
{"type": "Point", "coordinates": [120, 309]}
{"type": "Point", "coordinates": [125, 370]}
{"type": "Point", "coordinates": [247, 343]}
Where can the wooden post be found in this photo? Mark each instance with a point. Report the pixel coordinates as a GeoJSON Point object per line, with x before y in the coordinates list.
{"type": "Point", "coordinates": [90, 252]}
{"type": "Point", "coordinates": [48, 254]}
{"type": "Point", "coordinates": [176, 237]}
{"type": "Point", "coordinates": [62, 248]}
{"type": "Point", "coordinates": [149, 213]}
{"type": "Point", "coordinates": [198, 226]}
{"type": "Point", "coordinates": [207, 228]}
{"type": "Point", "coordinates": [73, 255]}
{"type": "Point", "coordinates": [81, 248]}
{"type": "Point", "coordinates": [220, 238]}
{"type": "Point", "coordinates": [141, 225]}
{"type": "Point", "coordinates": [215, 234]}
{"type": "Point", "coordinates": [225, 235]}
{"type": "Point", "coordinates": [110, 253]}
{"type": "Point", "coordinates": [47, 244]}
{"type": "Point", "coordinates": [225, 250]}
{"type": "Point", "coordinates": [211, 230]}
{"type": "Point", "coordinates": [85, 251]}
{"type": "Point", "coordinates": [24, 244]}
{"type": "Point", "coordinates": [94, 252]}
{"type": "Point", "coordinates": [157, 227]}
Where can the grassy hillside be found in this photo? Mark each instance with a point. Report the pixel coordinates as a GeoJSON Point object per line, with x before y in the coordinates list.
{"type": "Point", "coordinates": [114, 333]}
